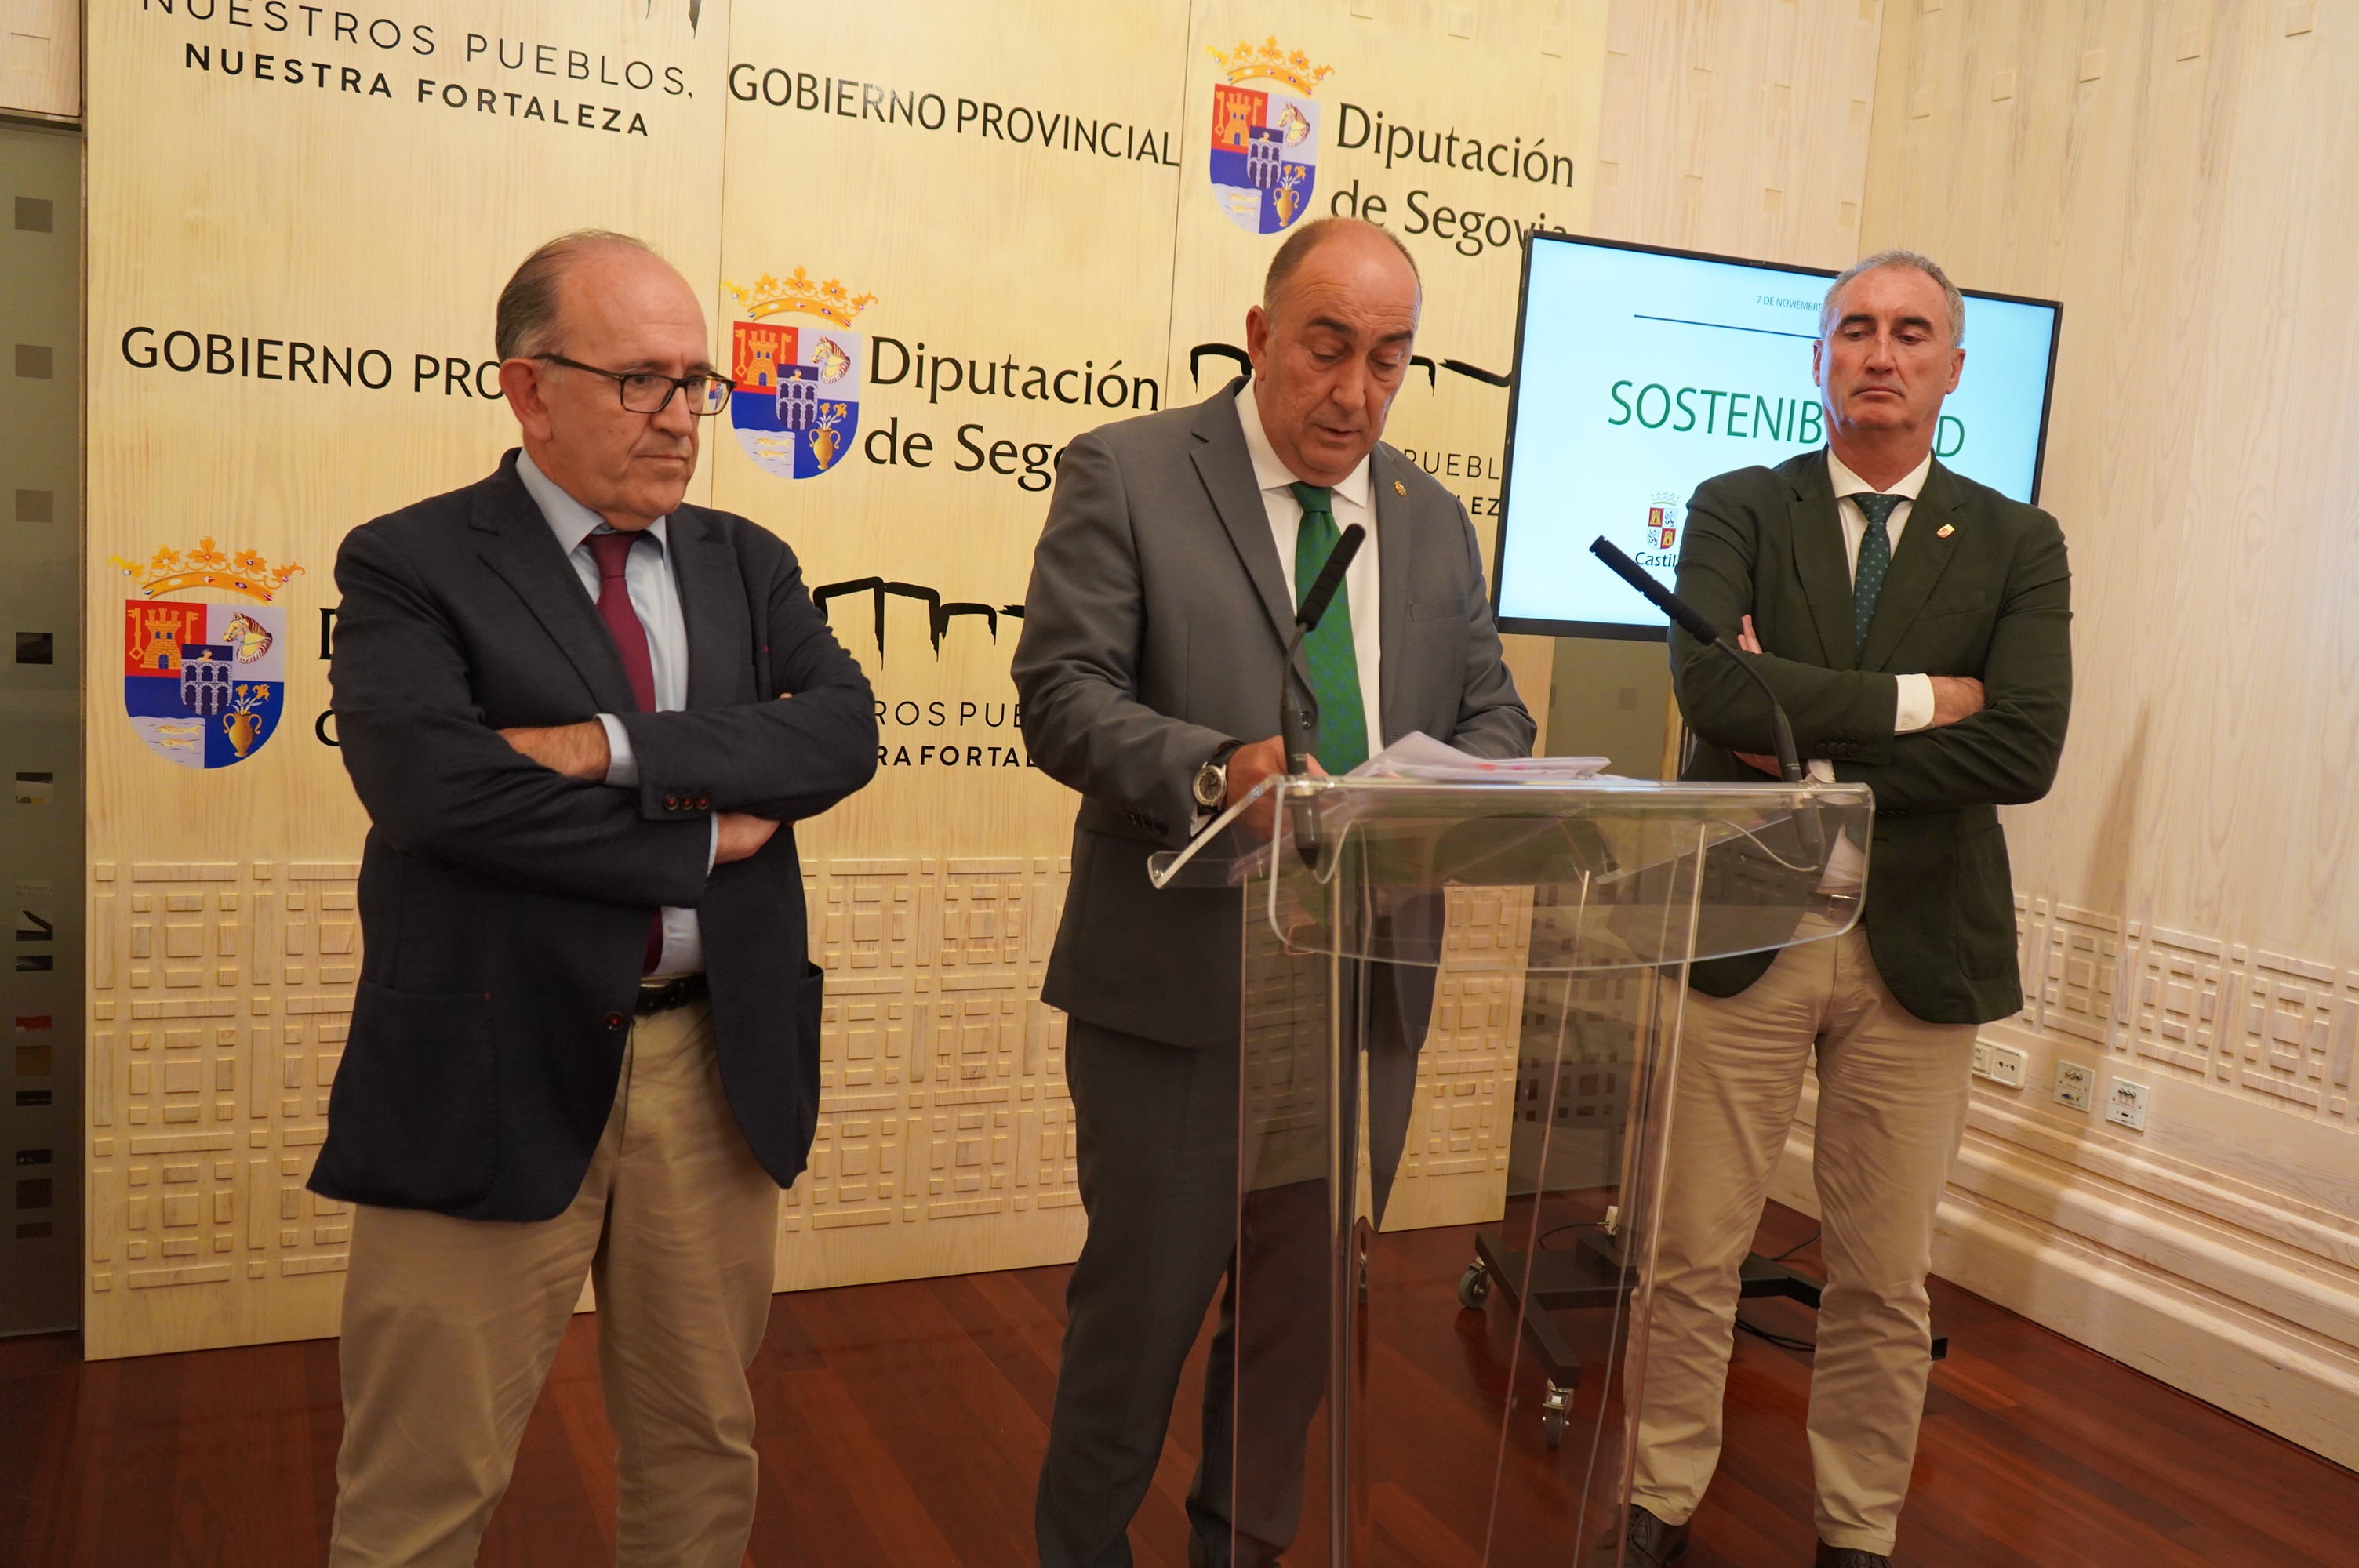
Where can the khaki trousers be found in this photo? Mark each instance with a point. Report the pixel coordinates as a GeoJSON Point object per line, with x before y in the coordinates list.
{"type": "Point", "coordinates": [451, 1326]}
{"type": "Point", "coordinates": [1892, 1105]}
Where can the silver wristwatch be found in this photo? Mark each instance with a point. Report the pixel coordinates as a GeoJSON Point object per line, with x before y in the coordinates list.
{"type": "Point", "coordinates": [1212, 787]}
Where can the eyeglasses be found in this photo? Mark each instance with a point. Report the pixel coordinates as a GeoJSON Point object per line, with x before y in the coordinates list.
{"type": "Point", "coordinates": [645, 391]}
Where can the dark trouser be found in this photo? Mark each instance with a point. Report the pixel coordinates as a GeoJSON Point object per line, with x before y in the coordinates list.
{"type": "Point", "coordinates": [1157, 1133]}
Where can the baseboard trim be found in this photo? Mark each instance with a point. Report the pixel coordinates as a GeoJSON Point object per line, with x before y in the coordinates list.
{"type": "Point", "coordinates": [2208, 1339]}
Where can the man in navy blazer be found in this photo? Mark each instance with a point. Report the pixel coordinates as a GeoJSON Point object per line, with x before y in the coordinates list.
{"type": "Point", "coordinates": [584, 716]}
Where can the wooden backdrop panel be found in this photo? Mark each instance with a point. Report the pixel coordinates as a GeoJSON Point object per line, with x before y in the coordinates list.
{"type": "Point", "coordinates": [1460, 176]}
{"type": "Point", "coordinates": [996, 178]}
{"type": "Point", "coordinates": [250, 184]}
{"type": "Point", "coordinates": [2179, 175]}
{"type": "Point", "coordinates": [1012, 187]}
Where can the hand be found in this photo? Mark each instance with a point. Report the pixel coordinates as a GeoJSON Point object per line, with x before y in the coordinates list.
{"type": "Point", "coordinates": [576, 751]}
{"type": "Point", "coordinates": [1248, 766]}
{"type": "Point", "coordinates": [1955, 698]}
{"type": "Point", "coordinates": [1746, 639]}
{"type": "Point", "coordinates": [741, 834]}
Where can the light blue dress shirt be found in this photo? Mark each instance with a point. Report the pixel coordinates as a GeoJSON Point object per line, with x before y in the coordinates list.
{"type": "Point", "coordinates": [655, 594]}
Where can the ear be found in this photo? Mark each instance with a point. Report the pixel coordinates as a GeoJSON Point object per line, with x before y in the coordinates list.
{"type": "Point", "coordinates": [521, 380]}
{"type": "Point", "coordinates": [1957, 368]}
{"type": "Point", "coordinates": [1818, 363]}
{"type": "Point", "coordinates": [1257, 336]}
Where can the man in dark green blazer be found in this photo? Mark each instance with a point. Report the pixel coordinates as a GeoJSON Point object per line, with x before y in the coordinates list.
{"type": "Point", "coordinates": [1916, 626]}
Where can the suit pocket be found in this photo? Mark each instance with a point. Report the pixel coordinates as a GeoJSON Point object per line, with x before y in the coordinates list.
{"type": "Point", "coordinates": [413, 1118]}
{"type": "Point", "coordinates": [1983, 891]}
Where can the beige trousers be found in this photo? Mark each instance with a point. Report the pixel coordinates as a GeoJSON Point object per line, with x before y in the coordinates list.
{"type": "Point", "coordinates": [1892, 1106]}
{"type": "Point", "coordinates": [450, 1326]}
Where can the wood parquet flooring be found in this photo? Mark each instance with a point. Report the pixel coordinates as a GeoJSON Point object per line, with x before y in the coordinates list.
{"type": "Point", "coordinates": [903, 1424]}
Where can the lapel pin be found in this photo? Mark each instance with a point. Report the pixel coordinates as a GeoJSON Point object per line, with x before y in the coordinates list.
{"type": "Point", "coordinates": [1946, 530]}
{"type": "Point", "coordinates": [1399, 489]}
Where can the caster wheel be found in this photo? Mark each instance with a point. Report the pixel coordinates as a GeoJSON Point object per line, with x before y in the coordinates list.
{"type": "Point", "coordinates": [1552, 1427]}
{"type": "Point", "coordinates": [1473, 1287]}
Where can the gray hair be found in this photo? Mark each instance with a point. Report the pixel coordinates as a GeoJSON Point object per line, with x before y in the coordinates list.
{"type": "Point", "coordinates": [525, 322]}
{"type": "Point", "coordinates": [1897, 258]}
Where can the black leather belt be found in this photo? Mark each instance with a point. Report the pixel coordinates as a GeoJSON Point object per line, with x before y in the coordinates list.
{"type": "Point", "coordinates": [662, 996]}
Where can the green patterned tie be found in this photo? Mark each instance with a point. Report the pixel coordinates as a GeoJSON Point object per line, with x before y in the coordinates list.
{"type": "Point", "coordinates": [1335, 667]}
{"type": "Point", "coordinates": [1875, 564]}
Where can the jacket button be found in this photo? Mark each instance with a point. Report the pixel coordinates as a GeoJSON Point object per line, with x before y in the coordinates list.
{"type": "Point", "coordinates": [671, 803]}
{"type": "Point", "coordinates": [703, 803]}
{"type": "Point", "coordinates": [613, 1020]}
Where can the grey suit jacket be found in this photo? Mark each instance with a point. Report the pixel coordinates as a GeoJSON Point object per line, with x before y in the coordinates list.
{"type": "Point", "coordinates": [1153, 633]}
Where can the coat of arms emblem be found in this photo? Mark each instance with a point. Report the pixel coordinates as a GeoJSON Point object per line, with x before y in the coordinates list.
{"type": "Point", "coordinates": [797, 400]}
{"type": "Point", "coordinates": [1264, 135]}
{"type": "Point", "coordinates": [204, 684]}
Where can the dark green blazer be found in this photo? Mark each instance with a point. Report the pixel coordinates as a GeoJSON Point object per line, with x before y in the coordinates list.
{"type": "Point", "coordinates": [1979, 587]}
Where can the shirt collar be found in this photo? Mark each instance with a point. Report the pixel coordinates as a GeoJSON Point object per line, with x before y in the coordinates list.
{"type": "Point", "coordinates": [1910, 484]}
{"type": "Point", "coordinates": [1271, 474]}
{"type": "Point", "coordinates": [567, 518]}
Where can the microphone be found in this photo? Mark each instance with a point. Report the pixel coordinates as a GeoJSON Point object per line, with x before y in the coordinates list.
{"type": "Point", "coordinates": [1323, 588]}
{"type": "Point", "coordinates": [1691, 622]}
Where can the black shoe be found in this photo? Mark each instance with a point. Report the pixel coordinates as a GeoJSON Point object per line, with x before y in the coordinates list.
{"type": "Point", "coordinates": [1849, 1557]}
{"type": "Point", "coordinates": [1653, 1543]}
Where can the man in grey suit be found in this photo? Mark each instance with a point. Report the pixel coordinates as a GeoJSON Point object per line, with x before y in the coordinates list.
{"type": "Point", "coordinates": [1163, 593]}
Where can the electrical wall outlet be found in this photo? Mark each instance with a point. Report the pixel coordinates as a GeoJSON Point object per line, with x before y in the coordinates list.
{"type": "Point", "coordinates": [2000, 1064]}
{"type": "Point", "coordinates": [2075, 1085]}
{"type": "Point", "coordinates": [2126, 1105]}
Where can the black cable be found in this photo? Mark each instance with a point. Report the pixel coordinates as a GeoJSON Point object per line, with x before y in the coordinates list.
{"type": "Point", "coordinates": [1783, 1342]}
{"type": "Point", "coordinates": [1541, 1243]}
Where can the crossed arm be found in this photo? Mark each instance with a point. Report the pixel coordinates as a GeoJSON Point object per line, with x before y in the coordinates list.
{"type": "Point", "coordinates": [530, 807]}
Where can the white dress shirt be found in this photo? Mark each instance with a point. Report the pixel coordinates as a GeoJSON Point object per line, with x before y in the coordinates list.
{"type": "Point", "coordinates": [1353, 503]}
{"type": "Point", "coordinates": [654, 595]}
{"type": "Point", "coordinates": [1915, 704]}
{"type": "Point", "coordinates": [1846, 867]}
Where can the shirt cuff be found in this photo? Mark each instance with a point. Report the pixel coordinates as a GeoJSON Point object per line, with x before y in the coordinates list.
{"type": "Point", "coordinates": [1823, 771]}
{"type": "Point", "coordinates": [622, 764]}
{"type": "Point", "coordinates": [712, 845]}
{"type": "Point", "coordinates": [1915, 709]}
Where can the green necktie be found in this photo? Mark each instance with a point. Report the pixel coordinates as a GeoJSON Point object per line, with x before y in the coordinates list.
{"type": "Point", "coordinates": [1335, 668]}
{"type": "Point", "coordinates": [1875, 564]}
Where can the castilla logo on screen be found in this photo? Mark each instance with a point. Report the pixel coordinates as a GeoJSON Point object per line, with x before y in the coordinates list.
{"type": "Point", "coordinates": [798, 399]}
{"type": "Point", "coordinates": [1662, 526]}
{"type": "Point", "coordinates": [1265, 134]}
{"type": "Point", "coordinates": [204, 683]}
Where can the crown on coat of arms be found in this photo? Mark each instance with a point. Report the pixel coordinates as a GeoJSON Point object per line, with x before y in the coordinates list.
{"type": "Point", "coordinates": [830, 301]}
{"type": "Point", "coordinates": [208, 565]}
{"type": "Point", "coordinates": [1293, 67]}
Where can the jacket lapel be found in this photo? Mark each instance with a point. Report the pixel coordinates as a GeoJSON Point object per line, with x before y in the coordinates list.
{"type": "Point", "coordinates": [713, 602]}
{"type": "Point", "coordinates": [1226, 468]}
{"type": "Point", "coordinates": [519, 546]}
{"type": "Point", "coordinates": [1923, 555]}
{"type": "Point", "coordinates": [1395, 550]}
{"type": "Point", "coordinates": [1821, 560]}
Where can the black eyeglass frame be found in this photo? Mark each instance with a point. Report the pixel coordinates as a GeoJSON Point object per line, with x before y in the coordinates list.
{"type": "Point", "coordinates": [621, 379]}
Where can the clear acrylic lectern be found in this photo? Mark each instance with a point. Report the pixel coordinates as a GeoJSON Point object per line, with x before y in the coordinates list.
{"type": "Point", "coordinates": [1389, 1407]}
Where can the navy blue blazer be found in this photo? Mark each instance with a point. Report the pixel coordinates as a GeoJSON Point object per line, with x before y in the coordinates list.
{"type": "Point", "coordinates": [505, 908]}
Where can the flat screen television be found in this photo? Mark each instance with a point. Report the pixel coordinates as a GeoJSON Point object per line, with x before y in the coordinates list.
{"type": "Point", "coordinates": [1641, 372]}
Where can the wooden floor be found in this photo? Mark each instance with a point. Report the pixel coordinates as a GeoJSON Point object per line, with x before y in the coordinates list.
{"type": "Point", "coordinates": [902, 1424]}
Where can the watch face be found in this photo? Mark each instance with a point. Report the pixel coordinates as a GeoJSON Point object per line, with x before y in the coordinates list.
{"type": "Point", "coordinates": [1211, 784]}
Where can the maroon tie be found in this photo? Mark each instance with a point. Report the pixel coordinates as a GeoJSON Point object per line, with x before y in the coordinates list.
{"type": "Point", "coordinates": [612, 551]}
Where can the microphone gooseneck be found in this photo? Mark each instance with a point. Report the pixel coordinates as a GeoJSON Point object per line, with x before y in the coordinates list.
{"type": "Point", "coordinates": [1691, 622]}
{"type": "Point", "coordinates": [1290, 725]}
